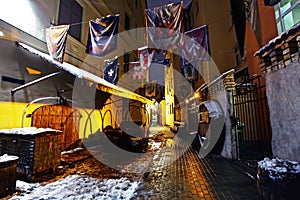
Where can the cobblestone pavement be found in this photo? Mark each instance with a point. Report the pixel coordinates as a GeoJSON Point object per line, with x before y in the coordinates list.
{"type": "Point", "coordinates": [192, 177]}
{"type": "Point", "coordinates": [162, 176]}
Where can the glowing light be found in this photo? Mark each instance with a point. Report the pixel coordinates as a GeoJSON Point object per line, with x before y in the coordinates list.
{"type": "Point", "coordinates": [187, 101]}
{"type": "Point", "coordinates": [1, 34]}
{"type": "Point", "coordinates": [196, 94]}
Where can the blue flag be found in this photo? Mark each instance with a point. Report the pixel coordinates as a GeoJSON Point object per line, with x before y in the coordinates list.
{"type": "Point", "coordinates": [111, 70]}
{"type": "Point", "coordinates": [101, 39]}
{"type": "Point", "coordinates": [162, 61]}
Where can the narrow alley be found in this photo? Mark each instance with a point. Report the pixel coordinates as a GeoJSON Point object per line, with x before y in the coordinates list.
{"type": "Point", "coordinates": [189, 177]}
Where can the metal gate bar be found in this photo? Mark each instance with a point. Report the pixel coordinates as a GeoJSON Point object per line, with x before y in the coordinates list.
{"type": "Point", "coordinates": [253, 129]}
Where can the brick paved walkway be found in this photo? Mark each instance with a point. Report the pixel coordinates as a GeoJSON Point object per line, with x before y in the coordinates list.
{"type": "Point", "coordinates": [191, 177]}
{"type": "Point", "coordinates": [162, 176]}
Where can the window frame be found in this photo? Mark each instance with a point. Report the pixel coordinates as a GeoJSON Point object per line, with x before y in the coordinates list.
{"type": "Point", "coordinates": [281, 15]}
{"type": "Point", "coordinates": [74, 31]}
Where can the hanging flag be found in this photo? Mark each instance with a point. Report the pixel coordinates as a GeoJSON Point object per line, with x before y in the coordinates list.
{"type": "Point", "coordinates": [189, 70]}
{"type": "Point", "coordinates": [162, 61]}
{"type": "Point", "coordinates": [271, 2]}
{"type": "Point", "coordinates": [252, 14]}
{"type": "Point", "coordinates": [196, 44]}
{"type": "Point", "coordinates": [56, 37]}
{"type": "Point", "coordinates": [150, 89]}
{"type": "Point", "coordinates": [111, 70]}
{"type": "Point", "coordinates": [145, 56]}
{"type": "Point", "coordinates": [136, 70]}
{"type": "Point", "coordinates": [101, 38]}
{"type": "Point", "coordinates": [164, 25]}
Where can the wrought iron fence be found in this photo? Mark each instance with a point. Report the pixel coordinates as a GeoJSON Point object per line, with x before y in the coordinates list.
{"type": "Point", "coordinates": [251, 111]}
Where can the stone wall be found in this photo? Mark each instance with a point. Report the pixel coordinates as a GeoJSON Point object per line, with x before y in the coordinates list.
{"type": "Point", "coordinates": [283, 92]}
{"type": "Point", "coordinates": [279, 61]}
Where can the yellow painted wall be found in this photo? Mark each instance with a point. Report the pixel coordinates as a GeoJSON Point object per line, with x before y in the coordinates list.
{"type": "Point", "coordinates": [11, 117]}
{"type": "Point", "coordinates": [162, 112]}
{"type": "Point", "coordinates": [11, 114]}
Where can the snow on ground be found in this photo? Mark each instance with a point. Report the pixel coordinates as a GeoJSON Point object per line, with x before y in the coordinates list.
{"type": "Point", "coordinates": [279, 168]}
{"type": "Point", "coordinates": [27, 130]}
{"type": "Point", "coordinates": [155, 145]}
{"type": "Point", "coordinates": [78, 187]}
{"type": "Point", "coordinates": [73, 150]}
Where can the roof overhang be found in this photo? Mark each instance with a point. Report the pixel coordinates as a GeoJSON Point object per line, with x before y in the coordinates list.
{"type": "Point", "coordinates": [23, 56]}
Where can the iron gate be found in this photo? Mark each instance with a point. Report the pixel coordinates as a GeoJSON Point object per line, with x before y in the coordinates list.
{"type": "Point", "coordinates": [253, 129]}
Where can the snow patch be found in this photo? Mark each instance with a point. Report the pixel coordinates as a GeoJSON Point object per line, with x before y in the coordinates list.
{"type": "Point", "coordinates": [78, 187]}
{"type": "Point", "coordinates": [27, 130]}
{"type": "Point", "coordinates": [155, 146]}
{"type": "Point", "coordinates": [73, 150]}
{"type": "Point", "coordinates": [279, 168]}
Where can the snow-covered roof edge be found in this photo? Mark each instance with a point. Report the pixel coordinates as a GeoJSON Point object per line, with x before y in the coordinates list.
{"type": "Point", "coordinates": [80, 73]}
{"type": "Point", "coordinates": [278, 39]}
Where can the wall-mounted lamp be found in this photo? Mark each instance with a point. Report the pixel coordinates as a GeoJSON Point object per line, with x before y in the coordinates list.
{"type": "Point", "coordinates": [196, 94]}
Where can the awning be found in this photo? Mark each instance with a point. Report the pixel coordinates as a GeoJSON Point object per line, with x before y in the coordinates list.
{"type": "Point", "coordinates": [22, 62]}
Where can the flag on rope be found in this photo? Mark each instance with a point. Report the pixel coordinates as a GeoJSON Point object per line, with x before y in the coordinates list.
{"type": "Point", "coordinates": [189, 70]}
{"type": "Point", "coordinates": [196, 44]}
{"type": "Point", "coordinates": [101, 37]}
{"type": "Point", "coordinates": [150, 89]}
{"type": "Point", "coordinates": [56, 37]}
{"type": "Point", "coordinates": [145, 56]}
{"type": "Point", "coordinates": [164, 25]}
{"type": "Point", "coordinates": [137, 71]}
{"type": "Point", "coordinates": [162, 61]}
{"type": "Point", "coordinates": [111, 70]}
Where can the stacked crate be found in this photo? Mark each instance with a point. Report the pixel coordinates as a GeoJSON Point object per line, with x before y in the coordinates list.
{"type": "Point", "coordinates": [38, 150]}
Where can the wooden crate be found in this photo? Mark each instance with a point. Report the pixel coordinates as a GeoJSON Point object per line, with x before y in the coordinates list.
{"type": "Point", "coordinates": [38, 151]}
{"type": "Point", "coordinates": [8, 175]}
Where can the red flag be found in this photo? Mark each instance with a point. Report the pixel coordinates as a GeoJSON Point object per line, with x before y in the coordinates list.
{"type": "Point", "coordinates": [164, 25]}
{"type": "Point", "coordinates": [56, 38]}
{"type": "Point", "coordinates": [136, 70]}
{"type": "Point", "coordinates": [145, 56]}
{"type": "Point", "coordinates": [196, 44]}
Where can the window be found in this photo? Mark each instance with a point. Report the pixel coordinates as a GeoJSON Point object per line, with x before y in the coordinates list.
{"type": "Point", "coordinates": [287, 14]}
{"type": "Point", "coordinates": [127, 22]}
{"type": "Point", "coordinates": [70, 12]}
